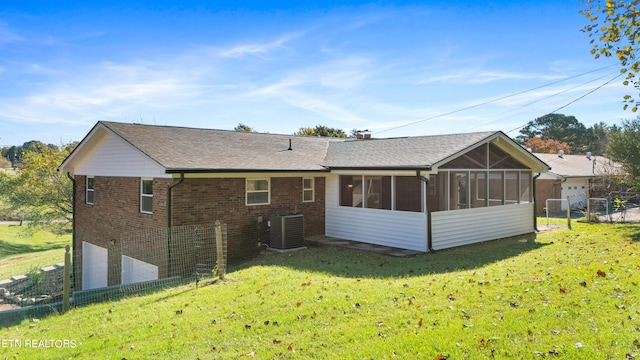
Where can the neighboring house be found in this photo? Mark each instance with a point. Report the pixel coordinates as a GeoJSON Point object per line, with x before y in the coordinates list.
{"type": "Point", "coordinates": [571, 176]}
{"type": "Point", "coordinates": [420, 193]}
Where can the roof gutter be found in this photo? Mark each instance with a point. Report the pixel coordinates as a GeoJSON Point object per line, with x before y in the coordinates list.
{"type": "Point", "coordinates": [426, 181]}
{"type": "Point", "coordinates": [535, 217]}
{"type": "Point", "coordinates": [416, 168]}
{"type": "Point", "coordinates": [73, 227]}
{"type": "Point", "coordinates": [169, 239]}
{"type": "Point", "coordinates": [231, 170]}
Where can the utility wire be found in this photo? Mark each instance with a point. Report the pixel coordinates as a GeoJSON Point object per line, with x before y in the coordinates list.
{"type": "Point", "coordinates": [493, 100]}
{"type": "Point", "coordinates": [573, 101]}
{"type": "Point", "coordinates": [541, 99]}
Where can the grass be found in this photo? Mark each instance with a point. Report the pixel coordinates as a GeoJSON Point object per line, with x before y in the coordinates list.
{"type": "Point", "coordinates": [21, 251]}
{"type": "Point", "coordinates": [569, 294]}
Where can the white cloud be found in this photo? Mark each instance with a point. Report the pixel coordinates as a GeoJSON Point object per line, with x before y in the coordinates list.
{"type": "Point", "coordinates": [260, 50]}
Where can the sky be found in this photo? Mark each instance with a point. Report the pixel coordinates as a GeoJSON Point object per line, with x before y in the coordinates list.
{"type": "Point", "coordinates": [395, 68]}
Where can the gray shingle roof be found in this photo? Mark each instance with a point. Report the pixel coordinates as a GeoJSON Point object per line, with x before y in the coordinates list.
{"type": "Point", "coordinates": [579, 165]}
{"type": "Point", "coordinates": [182, 148]}
{"type": "Point", "coordinates": [191, 149]}
{"type": "Point", "coordinates": [411, 152]}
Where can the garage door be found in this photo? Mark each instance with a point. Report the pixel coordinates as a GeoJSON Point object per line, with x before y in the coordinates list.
{"type": "Point", "coordinates": [94, 266]}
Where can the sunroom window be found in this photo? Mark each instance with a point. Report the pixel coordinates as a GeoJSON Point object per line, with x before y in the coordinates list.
{"type": "Point", "coordinates": [400, 193]}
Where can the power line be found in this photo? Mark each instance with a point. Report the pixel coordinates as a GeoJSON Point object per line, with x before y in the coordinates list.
{"type": "Point", "coordinates": [573, 101]}
{"type": "Point", "coordinates": [494, 100]}
{"type": "Point", "coordinates": [543, 98]}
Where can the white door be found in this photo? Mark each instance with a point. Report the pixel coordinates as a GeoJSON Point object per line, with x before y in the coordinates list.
{"type": "Point", "coordinates": [94, 266]}
{"type": "Point", "coordinates": [134, 270]}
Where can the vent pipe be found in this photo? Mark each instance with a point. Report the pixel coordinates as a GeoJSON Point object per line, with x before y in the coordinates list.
{"type": "Point", "coordinates": [561, 154]}
{"type": "Point", "coordinates": [588, 155]}
{"type": "Point", "coordinates": [290, 148]}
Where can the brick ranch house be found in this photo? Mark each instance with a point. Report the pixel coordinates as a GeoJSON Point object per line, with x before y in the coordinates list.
{"type": "Point", "coordinates": [421, 193]}
{"type": "Point", "coordinates": [572, 176]}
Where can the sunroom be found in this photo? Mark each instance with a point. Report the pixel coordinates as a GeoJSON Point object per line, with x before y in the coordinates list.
{"type": "Point", "coordinates": [482, 193]}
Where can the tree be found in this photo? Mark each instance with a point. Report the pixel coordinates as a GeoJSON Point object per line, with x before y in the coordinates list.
{"type": "Point", "coordinates": [624, 147]}
{"type": "Point", "coordinates": [559, 127]}
{"type": "Point", "coordinates": [550, 146]}
{"type": "Point", "coordinates": [243, 128]}
{"type": "Point", "coordinates": [321, 130]}
{"type": "Point", "coordinates": [614, 29]}
{"type": "Point", "coordinates": [41, 193]}
{"type": "Point", "coordinates": [598, 137]}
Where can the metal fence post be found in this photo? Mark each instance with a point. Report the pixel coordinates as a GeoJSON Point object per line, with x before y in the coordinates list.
{"type": "Point", "coordinates": [569, 213]}
{"type": "Point", "coordinates": [66, 283]}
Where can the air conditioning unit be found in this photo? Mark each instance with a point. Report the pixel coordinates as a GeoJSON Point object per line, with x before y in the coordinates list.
{"type": "Point", "coordinates": [287, 231]}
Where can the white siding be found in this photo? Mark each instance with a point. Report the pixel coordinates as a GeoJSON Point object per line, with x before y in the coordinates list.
{"type": "Point", "coordinates": [469, 226]}
{"type": "Point", "coordinates": [400, 229]}
{"type": "Point", "coordinates": [112, 156]}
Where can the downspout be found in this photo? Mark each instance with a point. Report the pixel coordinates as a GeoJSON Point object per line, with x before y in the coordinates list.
{"type": "Point", "coordinates": [426, 181]}
{"type": "Point", "coordinates": [535, 205]}
{"type": "Point", "coordinates": [169, 222]}
{"type": "Point", "coordinates": [73, 229]}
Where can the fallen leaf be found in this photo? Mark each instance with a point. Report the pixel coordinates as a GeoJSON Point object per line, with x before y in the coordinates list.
{"type": "Point", "coordinates": [420, 322]}
{"type": "Point", "coordinates": [290, 348]}
{"type": "Point", "coordinates": [380, 323]}
{"type": "Point", "coordinates": [179, 312]}
{"type": "Point", "coordinates": [579, 345]}
{"type": "Point", "coordinates": [247, 326]}
{"type": "Point", "coordinates": [602, 273]}
{"type": "Point", "coordinates": [298, 303]}
{"type": "Point", "coordinates": [583, 284]}
{"type": "Point", "coordinates": [251, 354]}
{"type": "Point", "coordinates": [441, 357]}
{"type": "Point", "coordinates": [276, 341]}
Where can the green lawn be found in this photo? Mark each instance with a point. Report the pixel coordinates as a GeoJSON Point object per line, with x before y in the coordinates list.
{"type": "Point", "coordinates": [561, 294]}
{"type": "Point", "coordinates": [21, 251]}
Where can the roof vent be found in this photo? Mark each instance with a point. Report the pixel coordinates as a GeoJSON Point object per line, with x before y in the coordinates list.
{"type": "Point", "coordinates": [561, 154]}
{"type": "Point", "coordinates": [290, 148]}
{"type": "Point", "coordinates": [530, 150]}
{"type": "Point", "coordinates": [588, 155]}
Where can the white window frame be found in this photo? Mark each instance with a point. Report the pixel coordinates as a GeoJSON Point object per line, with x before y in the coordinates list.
{"type": "Point", "coordinates": [90, 190]}
{"type": "Point", "coordinates": [143, 195]}
{"type": "Point", "coordinates": [247, 191]}
{"type": "Point", "coordinates": [309, 189]}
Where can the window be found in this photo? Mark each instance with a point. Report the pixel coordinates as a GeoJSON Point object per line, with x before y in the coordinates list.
{"type": "Point", "coordinates": [258, 192]}
{"type": "Point", "coordinates": [401, 193]}
{"type": "Point", "coordinates": [496, 188]}
{"type": "Point", "coordinates": [378, 192]}
{"type": "Point", "coordinates": [307, 190]}
{"type": "Point", "coordinates": [525, 187]}
{"type": "Point", "coordinates": [90, 191]}
{"type": "Point", "coordinates": [351, 191]}
{"type": "Point", "coordinates": [408, 193]}
{"type": "Point", "coordinates": [146, 196]}
{"type": "Point", "coordinates": [511, 187]}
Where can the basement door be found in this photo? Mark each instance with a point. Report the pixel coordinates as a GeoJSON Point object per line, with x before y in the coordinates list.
{"type": "Point", "coordinates": [94, 266]}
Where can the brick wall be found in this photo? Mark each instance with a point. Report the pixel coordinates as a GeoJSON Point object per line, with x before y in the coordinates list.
{"type": "Point", "coordinates": [546, 189]}
{"type": "Point", "coordinates": [116, 210]}
{"type": "Point", "coordinates": [199, 201]}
